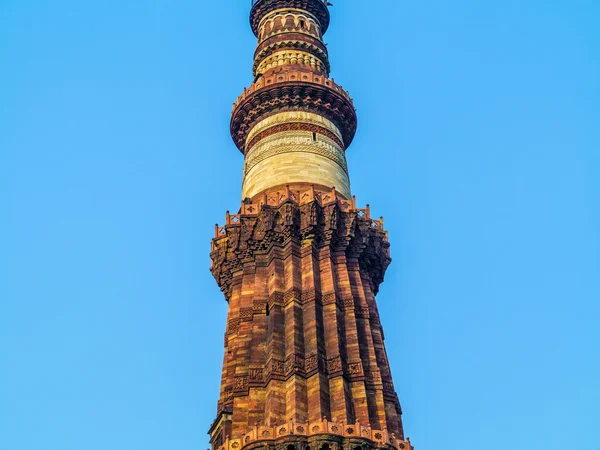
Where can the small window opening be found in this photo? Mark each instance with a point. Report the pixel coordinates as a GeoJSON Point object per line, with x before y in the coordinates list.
{"type": "Point", "coordinates": [315, 137]}
{"type": "Point", "coordinates": [302, 23]}
{"type": "Point", "coordinates": [267, 311]}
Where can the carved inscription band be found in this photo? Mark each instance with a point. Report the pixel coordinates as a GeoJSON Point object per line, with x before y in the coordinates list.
{"type": "Point", "coordinates": [285, 143]}
{"type": "Point", "coordinates": [291, 43]}
{"type": "Point", "coordinates": [298, 126]}
{"type": "Point", "coordinates": [289, 117]}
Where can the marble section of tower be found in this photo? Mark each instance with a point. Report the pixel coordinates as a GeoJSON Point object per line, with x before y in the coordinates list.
{"type": "Point", "coordinates": [300, 264]}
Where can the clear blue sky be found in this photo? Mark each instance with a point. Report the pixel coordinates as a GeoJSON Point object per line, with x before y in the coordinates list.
{"type": "Point", "coordinates": [479, 141]}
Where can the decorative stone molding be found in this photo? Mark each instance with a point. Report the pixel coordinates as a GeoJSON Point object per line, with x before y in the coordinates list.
{"type": "Point", "coordinates": [291, 141]}
{"type": "Point", "coordinates": [287, 57]}
{"type": "Point", "coordinates": [344, 226]}
{"type": "Point", "coordinates": [274, 161]}
{"type": "Point", "coordinates": [289, 91]}
{"type": "Point", "coordinates": [292, 117]}
{"type": "Point", "coordinates": [292, 42]}
{"type": "Point", "coordinates": [317, 8]}
{"type": "Point", "coordinates": [296, 77]}
{"type": "Point", "coordinates": [294, 126]}
{"type": "Point", "coordinates": [324, 429]}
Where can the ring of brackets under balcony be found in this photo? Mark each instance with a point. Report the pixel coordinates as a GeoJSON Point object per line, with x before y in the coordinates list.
{"type": "Point", "coordinates": [284, 58]}
{"type": "Point", "coordinates": [321, 428]}
{"type": "Point", "coordinates": [300, 198]}
{"type": "Point", "coordinates": [292, 46]}
{"type": "Point", "coordinates": [305, 90]}
{"type": "Point", "coordinates": [306, 77]}
{"type": "Point", "coordinates": [291, 40]}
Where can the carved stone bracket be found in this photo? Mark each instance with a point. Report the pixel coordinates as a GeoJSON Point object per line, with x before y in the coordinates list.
{"type": "Point", "coordinates": [341, 227]}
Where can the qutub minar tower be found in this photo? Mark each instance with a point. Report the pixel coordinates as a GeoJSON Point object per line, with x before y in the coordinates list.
{"type": "Point", "coordinates": [305, 364]}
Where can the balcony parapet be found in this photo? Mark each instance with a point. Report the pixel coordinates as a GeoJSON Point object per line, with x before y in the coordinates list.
{"type": "Point", "coordinates": [260, 8]}
{"type": "Point", "coordinates": [378, 438]}
{"type": "Point", "coordinates": [296, 76]}
{"type": "Point", "coordinates": [298, 198]}
{"type": "Point", "coordinates": [294, 90]}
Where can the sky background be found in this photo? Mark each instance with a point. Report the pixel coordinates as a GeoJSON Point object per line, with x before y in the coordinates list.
{"type": "Point", "coordinates": [478, 141]}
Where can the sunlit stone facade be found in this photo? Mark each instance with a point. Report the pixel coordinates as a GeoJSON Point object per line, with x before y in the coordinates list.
{"type": "Point", "coordinates": [305, 365]}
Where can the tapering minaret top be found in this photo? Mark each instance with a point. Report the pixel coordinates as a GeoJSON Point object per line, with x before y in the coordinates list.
{"type": "Point", "coordinates": [318, 8]}
{"type": "Point", "coordinates": [293, 123]}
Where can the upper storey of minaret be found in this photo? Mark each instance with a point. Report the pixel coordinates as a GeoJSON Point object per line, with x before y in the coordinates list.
{"type": "Point", "coordinates": [290, 36]}
{"type": "Point", "coordinates": [316, 8]}
{"type": "Point", "coordinates": [293, 123]}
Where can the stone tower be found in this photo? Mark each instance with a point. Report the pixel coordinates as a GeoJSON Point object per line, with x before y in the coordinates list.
{"type": "Point", "coordinates": [305, 364]}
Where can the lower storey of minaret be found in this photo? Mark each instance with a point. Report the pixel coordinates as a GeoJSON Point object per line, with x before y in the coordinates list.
{"type": "Point", "coordinates": [295, 147]}
{"type": "Point", "coordinates": [304, 340]}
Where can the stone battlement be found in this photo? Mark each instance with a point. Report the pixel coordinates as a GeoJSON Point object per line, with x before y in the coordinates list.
{"type": "Point", "coordinates": [299, 198]}
{"type": "Point", "coordinates": [296, 76]}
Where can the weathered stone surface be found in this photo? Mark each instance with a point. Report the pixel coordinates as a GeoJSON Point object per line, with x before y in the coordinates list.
{"type": "Point", "coordinates": [305, 365]}
{"type": "Point", "coordinates": [303, 338]}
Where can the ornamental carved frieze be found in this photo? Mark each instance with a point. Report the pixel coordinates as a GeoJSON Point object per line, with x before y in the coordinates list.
{"type": "Point", "coordinates": [390, 395]}
{"type": "Point", "coordinates": [311, 295]}
{"type": "Point", "coordinates": [282, 225]}
{"type": "Point", "coordinates": [233, 326]}
{"type": "Point", "coordinates": [319, 434]}
{"type": "Point", "coordinates": [291, 42]}
{"type": "Point", "coordinates": [294, 364]}
{"type": "Point", "coordinates": [335, 366]}
{"type": "Point", "coordinates": [276, 299]}
{"type": "Point", "coordinates": [312, 365]}
{"type": "Point", "coordinates": [361, 312]}
{"type": "Point", "coordinates": [294, 126]}
{"type": "Point", "coordinates": [256, 376]}
{"type": "Point", "coordinates": [355, 370]}
{"type": "Point", "coordinates": [288, 22]}
{"type": "Point", "coordinates": [329, 298]}
{"type": "Point", "coordinates": [346, 303]}
{"type": "Point", "coordinates": [259, 306]}
{"type": "Point", "coordinates": [228, 396]}
{"type": "Point", "coordinates": [246, 314]}
{"type": "Point", "coordinates": [373, 378]}
{"type": "Point", "coordinates": [275, 369]}
{"type": "Point", "coordinates": [293, 295]}
{"type": "Point", "coordinates": [293, 91]}
{"type": "Point", "coordinates": [324, 222]}
{"type": "Point", "coordinates": [317, 8]}
{"type": "Point", "coordinates": [240, 384]}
